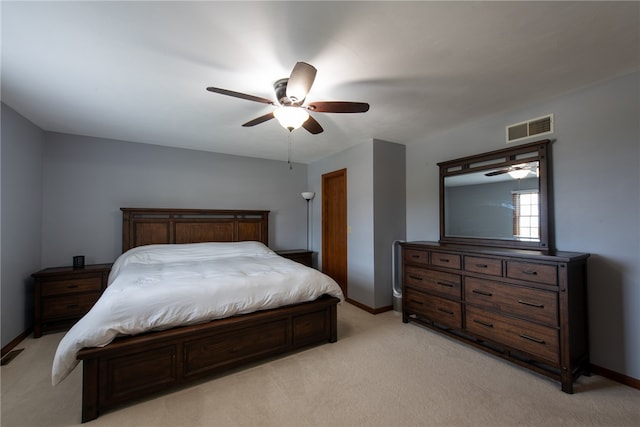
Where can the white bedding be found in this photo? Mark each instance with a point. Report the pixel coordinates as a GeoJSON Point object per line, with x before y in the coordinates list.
{"type": "Point", "coordinates": [158, 287]}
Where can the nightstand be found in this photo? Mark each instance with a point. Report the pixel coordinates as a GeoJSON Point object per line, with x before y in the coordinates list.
{"type": "Point", "coordinates": [63, 295]}
{"type": "Point", "coordinates": [299, 255]}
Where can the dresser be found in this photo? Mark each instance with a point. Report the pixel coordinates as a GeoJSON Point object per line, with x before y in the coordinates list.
{"type": "Point", "coordinates": [526, 306]}
{"type": "Point", "coordinates": [62, 295]}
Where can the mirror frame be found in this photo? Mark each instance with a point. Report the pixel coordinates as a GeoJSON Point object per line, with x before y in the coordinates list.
{"type": "Point", "coordinates": [535, 151]}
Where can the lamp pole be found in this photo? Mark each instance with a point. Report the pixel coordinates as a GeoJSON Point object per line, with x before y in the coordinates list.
{"type": "Point", "coordinates": [308, 195]}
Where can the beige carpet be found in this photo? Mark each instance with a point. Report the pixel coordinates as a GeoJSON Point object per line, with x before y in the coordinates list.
{"type": "Point", "coordinates": [381, 372]}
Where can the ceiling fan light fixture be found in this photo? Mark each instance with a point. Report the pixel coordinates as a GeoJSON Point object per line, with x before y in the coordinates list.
{"type": "Point", "coordinates": [519, 173]}
{"type": "Point", "coordinates": [291, 118]}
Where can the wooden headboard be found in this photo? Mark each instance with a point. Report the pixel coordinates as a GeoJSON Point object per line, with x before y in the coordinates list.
{"type": "Point", "coordinates": [147, 226]}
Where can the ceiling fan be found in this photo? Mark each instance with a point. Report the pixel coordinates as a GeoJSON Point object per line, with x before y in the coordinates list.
{"type": "Point", "coordinates": [290, 94]}
{"type": "Point", "coordinates": [516, 171]}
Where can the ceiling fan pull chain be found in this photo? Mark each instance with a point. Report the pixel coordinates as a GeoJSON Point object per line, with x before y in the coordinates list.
{"type": "Point", "coordinates": [290, 152]}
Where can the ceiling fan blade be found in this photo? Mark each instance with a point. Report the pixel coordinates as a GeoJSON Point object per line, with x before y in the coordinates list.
{"type": "Point", "coordinates": [312, 126]}
{"type": "Point", "coordinates": [494, 173]}
{"type": "Point", "coordinates": [339, 107]}
{"type": "Point", "coordinates": [240, 95]}
{"type": "Point", "coordinates": [300, 82]}
{"type": "Point", "coordinates": [259, 120]}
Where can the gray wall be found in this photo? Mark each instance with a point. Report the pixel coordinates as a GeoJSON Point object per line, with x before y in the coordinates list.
{"type": "Point", "coordinates": [596, 177]}
{"type": "Point", "coordinates": [389, 212]}
{"type": "Point", "coordinates": [88, 179]}
{"type": "Point", "coordinates": [375, 214]}
{"type": "Point", "coordinates": [22, 165]}
{"type": "Point", "coordinates": [358, 161]}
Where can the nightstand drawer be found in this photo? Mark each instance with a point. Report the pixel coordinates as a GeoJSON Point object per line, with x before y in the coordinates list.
{"type": "Point", "coordinates": [68, 306]}
{"type": "Point", "coordinates": [62, 295]}
{"type": "Point", "coordinates": [69, 286]}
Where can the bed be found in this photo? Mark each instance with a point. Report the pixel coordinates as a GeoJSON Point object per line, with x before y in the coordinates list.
{"type": "Point", "coordinates": [131, 367]}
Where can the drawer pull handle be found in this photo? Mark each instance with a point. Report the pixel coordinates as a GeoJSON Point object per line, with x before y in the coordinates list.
{"type": "Point", "coordinates": [445, 311]}
{"type": "Point", "coordinates": [487, 324]}
{"type": "Point", "coordinates": [415, 277]}
{"type": "Point", "coordinates": [536, 340]}
{"type": "Point", "coordinates": [415, 256]}
{"type": "Point", "coordinates": [486, 294]}
{"type": "Point", "coordinates": [448, 285]}
{"type": "Point", "coordinates": [72, 286]}
{"type": "Point", "coordinates": [415, 301]}
{"type": "Point", "coordinates": [482, 265]}
{"type": "Point", "coordinates": [530, 272]}
{"type": "Point", "coordinates": [444, 260]}
{"type": "Point", "coordinates": [72, 306]}
{"type": "Point", "coordinates": [531, 304]}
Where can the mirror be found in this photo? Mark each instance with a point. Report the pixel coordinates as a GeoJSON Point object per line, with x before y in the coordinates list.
{"type": "Point", "coordinates": [497, 199]}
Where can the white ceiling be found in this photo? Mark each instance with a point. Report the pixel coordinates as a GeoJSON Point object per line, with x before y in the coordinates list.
{"type": "Point", "coordinates": [137, 71]}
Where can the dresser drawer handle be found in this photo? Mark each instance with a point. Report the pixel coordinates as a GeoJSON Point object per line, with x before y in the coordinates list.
{"type": "Point", "coordinates": [444, 260]}
{"type": "Point", "coordinates": [536, 340]}
{"type": "Point", "coordinates": [72, 306]}
{"type": "Point", "coordinates": [530, 272]}
{"type": "Point", "coordinates": [448, 285]}
{"type": "Point", "coordinates": [445, 311]}
{"type": "Point", "coordinates": [485, 293]}
{"type": "Point", "coordinates": [415, 277]}
{"type": "Point", "coordinates": [487, 324]}
{"type": "Point", "coordinates": [482, 265]}
{"type": "Point", "coordinates": [72, 286]}
{"type": "Point", "coordinates": [531, 304]}
{"type": "Point", "coordinates": [415, 301]}
{"type": "Point", "coordinates": [415, 256]}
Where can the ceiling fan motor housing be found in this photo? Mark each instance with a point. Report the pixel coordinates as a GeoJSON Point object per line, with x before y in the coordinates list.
{"type": "Point", "coordinates": [280, 88]}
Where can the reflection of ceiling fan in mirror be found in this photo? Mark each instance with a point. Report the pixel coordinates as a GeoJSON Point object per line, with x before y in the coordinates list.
{"type": "Point", "coordinates": [290, 94]}
{"type": "Point", "coordinates": [520, 171]}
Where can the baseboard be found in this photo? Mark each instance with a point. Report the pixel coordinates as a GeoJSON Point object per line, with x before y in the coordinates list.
{"type": "Point", "coordinates": [369, 309]}
{"type": "Point", "coordinates": [616, 376]}
{"type": "Point", "coordinates": [7, 348]}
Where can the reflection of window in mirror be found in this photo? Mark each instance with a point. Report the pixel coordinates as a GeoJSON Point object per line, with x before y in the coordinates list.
{"type": "Point", "coordinates": [526, 220]}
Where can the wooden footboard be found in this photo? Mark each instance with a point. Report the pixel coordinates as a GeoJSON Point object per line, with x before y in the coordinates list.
{"type": "Point", "coordinates": [134, 367]}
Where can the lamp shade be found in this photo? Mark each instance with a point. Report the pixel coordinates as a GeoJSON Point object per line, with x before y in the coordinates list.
{"type": "Point", "coordinates": [291, 117]}
{"type": "Point", "coordinates": [308, 195]}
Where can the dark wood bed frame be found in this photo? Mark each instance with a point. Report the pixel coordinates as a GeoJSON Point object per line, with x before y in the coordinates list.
{"type": "Point", "coordinates": [133, 367]}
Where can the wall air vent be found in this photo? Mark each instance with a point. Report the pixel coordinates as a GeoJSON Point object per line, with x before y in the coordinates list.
{"type": "Point", "coordinates": [522, 130]}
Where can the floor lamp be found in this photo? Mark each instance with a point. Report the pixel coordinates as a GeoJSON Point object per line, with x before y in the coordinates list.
{"type": "Point", "coordinates": [308, 195]}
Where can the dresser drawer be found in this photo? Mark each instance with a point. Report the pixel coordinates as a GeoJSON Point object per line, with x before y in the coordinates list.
{"type": "Point", "coordinates": [69, 306]}
{"type": "Point", "coordinates": [539, 273]}
{"type": "Point", "coordinates": [528, 337]}
{"type": "Point", "coordinates": [443, 311]}
{"type": "Point", "coordinates": [490, 266]}
{"type": "Point", "coordinates": [534, 304]}
{"type": "Point", "coordinates": [416, 256]}
{"type": "Point", "coordinates": [442, 259]}
{"type": "Point", "coordinates": [69, 286]}
{"type": "Point", "coordinates": [437, 282]}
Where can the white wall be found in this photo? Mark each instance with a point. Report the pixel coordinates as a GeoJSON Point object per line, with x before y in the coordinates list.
{"type": "Point", "coordinates": [596, 181]}
{"type": "Point", "coordinates": [22, 162]}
